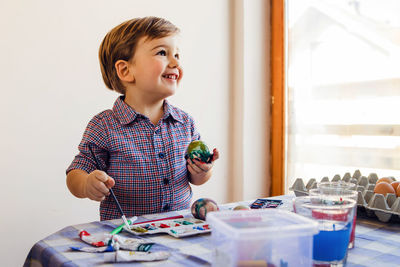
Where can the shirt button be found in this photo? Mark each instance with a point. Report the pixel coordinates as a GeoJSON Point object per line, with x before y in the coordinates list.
{"type": "Point", "coordinates": [166, 181]}
{"type": "Point", "coordinates": [161, 155]}
{"type": "Point", "coordinates": [166, 207]}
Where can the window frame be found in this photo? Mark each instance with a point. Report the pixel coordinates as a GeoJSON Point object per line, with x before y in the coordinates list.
{"type": "Point", "coordinates": [277, 97]}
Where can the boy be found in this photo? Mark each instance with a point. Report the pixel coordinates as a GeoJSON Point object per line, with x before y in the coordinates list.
{"type": "Point", "coordinates": [138, 147]}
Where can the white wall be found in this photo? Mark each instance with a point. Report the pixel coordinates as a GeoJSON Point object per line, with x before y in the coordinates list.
{"type": "Point", "coordinates": [250, 100]}
{"type": "Point", "coordinates": [51, 86]}
{"type": "Point", "coordinates": [255, 101]}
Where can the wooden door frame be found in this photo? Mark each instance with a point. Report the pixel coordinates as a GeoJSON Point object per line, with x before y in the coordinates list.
{"type": "Point", "coordinates": [277, 97]}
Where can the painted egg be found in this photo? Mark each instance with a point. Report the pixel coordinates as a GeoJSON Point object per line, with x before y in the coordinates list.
{"type": "Point", "coordinates": [202, 206]}
{"type": "Point", "coordinates": [384, 188]}
{"type": "Point", "coordinates": [385, 179]}
{"type": "Point", "coordinates": [398, 191]}
{"type": "Point", "coordinates": [198, 149]}
{"type": "Point", "coordinates": [241, 207]}
{"type": "Point", "coordinates": [395, 184]}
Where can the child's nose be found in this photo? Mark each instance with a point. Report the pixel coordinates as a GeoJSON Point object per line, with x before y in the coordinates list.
{"type": "Point", "coordinates": [173, 62]}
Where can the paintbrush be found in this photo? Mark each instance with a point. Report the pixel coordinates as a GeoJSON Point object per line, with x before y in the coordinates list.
{"type": "Point", "coordinates": [111, 191]}
{"type": "Point", "coordinates": [119, 228]}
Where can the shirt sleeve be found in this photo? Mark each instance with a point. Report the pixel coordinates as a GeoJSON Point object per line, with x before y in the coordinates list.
{"type": "Point", "coordinates": [93, 153]}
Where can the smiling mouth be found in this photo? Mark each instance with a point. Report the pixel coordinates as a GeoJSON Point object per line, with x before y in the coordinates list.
{"type": "Point", "coordinates": [171, 76]}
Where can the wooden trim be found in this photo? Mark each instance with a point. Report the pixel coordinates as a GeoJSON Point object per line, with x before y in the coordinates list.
{"type": "Point", "coordinates": [236, 172]}
{"type": "Point", "coordinates": [277, 162]}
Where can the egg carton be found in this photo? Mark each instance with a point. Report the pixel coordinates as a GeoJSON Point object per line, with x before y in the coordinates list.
{"type": "Point", "coordinates": [375, 205]}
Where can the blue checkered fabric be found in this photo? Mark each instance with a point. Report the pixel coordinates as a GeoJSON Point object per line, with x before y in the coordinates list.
{"type": "Point", "coordinates": [55, 251]}
{"type": "Point", "coordinates": [147, 161]}
{"type": "Point", "coordinates": [376, 244]}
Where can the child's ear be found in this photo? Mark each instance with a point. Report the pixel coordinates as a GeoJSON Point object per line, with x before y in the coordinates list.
{"type": "Point", "coordinates": [123, 71]}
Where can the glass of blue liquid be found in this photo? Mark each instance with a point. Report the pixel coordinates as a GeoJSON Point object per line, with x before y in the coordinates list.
{"type": "Point", "coordinates": [338, 190]}
{"type": "Point", "coordinates": [335, 218]}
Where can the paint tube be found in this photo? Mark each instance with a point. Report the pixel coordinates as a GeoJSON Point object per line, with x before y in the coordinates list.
{"type": "Point", "coordinates": [129, 256]}
{"type": "Point", "coordinates": [94, 249]}
{"type": "Point", "coordinates": [132, 244]}
{"type": "Point", "coordinates": [105, 239]}
{"type": "Point", "coordinates": [97, 240]}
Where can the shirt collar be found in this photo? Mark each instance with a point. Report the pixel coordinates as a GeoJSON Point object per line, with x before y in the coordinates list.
{"type": "Point", "coordinates": [170, 111]}
{"type": "Point", "coordinates": [125, 114]}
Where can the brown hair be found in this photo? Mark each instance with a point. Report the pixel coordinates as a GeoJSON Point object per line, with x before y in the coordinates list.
{"type": "Point", "coordinates": [121, 41]}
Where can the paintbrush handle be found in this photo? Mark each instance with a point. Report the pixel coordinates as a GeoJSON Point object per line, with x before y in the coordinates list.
{"type": "Point", "coordinates": [116, 202]}
{"type": "Point", "coordinates": [111, 191]}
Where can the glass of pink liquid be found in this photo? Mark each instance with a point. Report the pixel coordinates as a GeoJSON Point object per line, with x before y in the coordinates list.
{"type": "Point", "coordinates": [337, 191]}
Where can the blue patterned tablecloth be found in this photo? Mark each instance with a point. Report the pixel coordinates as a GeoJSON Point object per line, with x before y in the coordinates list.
{"type": "Point", "coordinates": [376, 244]}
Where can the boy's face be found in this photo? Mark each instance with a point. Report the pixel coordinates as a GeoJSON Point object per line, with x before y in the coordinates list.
{"type": "Point", "coordinates": [155, 66]}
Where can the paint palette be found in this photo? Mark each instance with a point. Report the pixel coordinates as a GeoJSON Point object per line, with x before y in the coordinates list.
{"type": "Point", "coordinates": [176, 227]}
{"type": "Point", "coordinates": [262, 203]}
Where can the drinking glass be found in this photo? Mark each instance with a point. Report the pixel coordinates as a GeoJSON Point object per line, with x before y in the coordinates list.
{"type": "Point", "coordinates": [337, 190]}
{"type": "Point", "coordinates": [334, 219]}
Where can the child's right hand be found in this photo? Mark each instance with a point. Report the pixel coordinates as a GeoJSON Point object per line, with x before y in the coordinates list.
{"type": "Point", "coordinates": [97, 185]}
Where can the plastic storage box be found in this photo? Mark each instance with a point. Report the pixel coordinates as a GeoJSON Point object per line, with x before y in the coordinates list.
{"type": "Point", "coordinates": [268, 237]}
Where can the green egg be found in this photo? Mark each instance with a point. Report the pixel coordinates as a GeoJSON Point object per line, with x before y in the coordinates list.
{"type": "Point", "coordinates": [198, 149]}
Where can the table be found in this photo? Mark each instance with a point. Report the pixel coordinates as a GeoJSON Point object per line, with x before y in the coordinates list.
{"type": "Point", "coordinates": [376, 244]}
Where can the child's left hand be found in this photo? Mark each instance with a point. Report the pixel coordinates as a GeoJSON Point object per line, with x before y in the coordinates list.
{"type": "Point", "coordinates": [200, 171]}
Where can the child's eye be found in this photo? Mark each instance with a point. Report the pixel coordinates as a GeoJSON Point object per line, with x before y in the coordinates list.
{"type": "Point", "coordinates": [177, 56]}
{"type": "Point", "coordinates": [162, 53]}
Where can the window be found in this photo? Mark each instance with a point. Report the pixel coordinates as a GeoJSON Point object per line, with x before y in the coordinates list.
{"type": "Point", "coordinates": [343, 88]}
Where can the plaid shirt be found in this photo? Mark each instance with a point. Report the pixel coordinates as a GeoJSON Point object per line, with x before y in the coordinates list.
{"type": "Point", "coordinates": [146, 161]}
